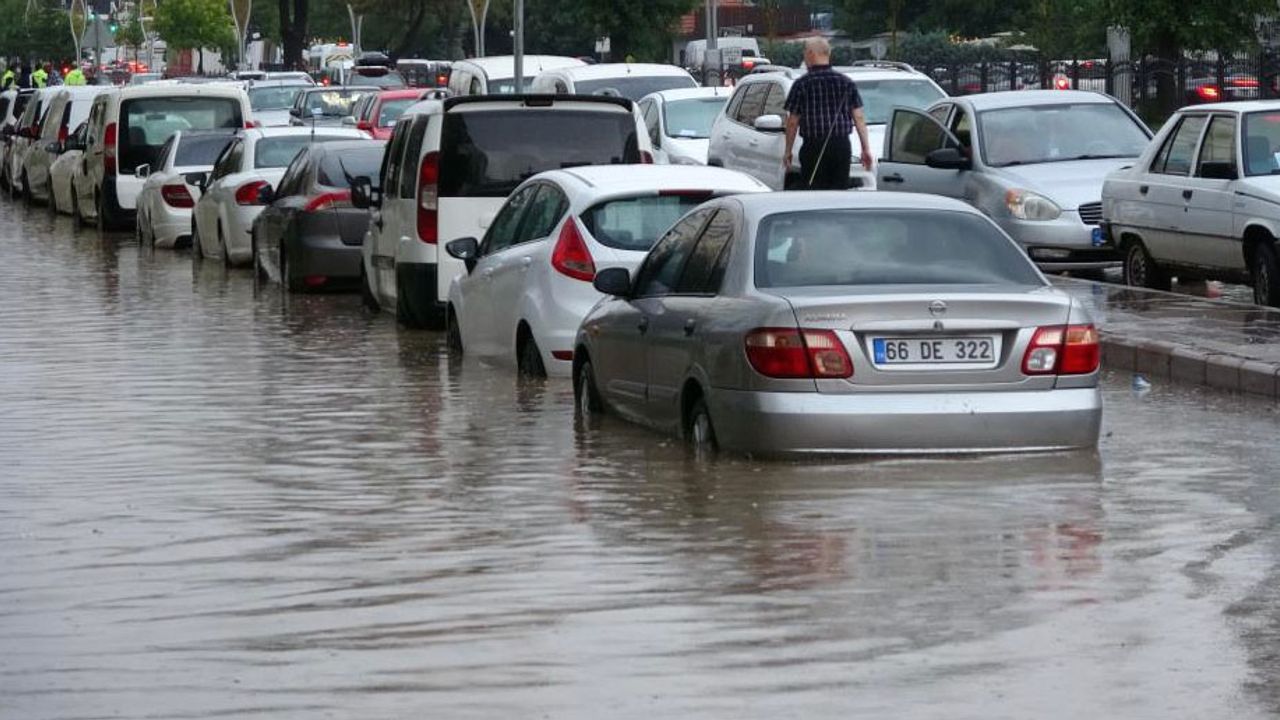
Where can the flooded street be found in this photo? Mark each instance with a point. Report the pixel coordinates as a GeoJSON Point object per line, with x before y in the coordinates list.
{"type": "Point", "coordinates": [226, 503]}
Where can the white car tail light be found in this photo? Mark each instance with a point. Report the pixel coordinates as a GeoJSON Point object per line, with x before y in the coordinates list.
{"type": "Point", "coordinates": [1063, 350]}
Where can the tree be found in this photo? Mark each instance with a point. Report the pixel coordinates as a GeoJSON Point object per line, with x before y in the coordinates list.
{"type": "Point", "coordinates": [42, 33]}
{"type": "Point", "coordinates": [292, 19]}
{"type": "Point", "coordinates": [195, 25]}
{"type": "Point", "coordinates": [130, 34]}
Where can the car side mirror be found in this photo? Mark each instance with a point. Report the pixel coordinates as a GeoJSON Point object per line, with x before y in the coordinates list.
{"type": "Point", "coordinates": [295, 112]}
{"type": "Point", "coordinates": [363, 194]}
{"type": "Point", "coordinates": [266, 195]}
{"type": "Point", "coordinates": [613, 281]}
{"type": "Point", "coordinates": [947, 158]}
{"type": "Point", "coordinates": [53, 148]}
{"type": "Point", "coordinates": [364, 125]}
{"type": "Point", "coordinates": [770, 123]}
{"type": "Point", "coordinates": [1219, 171]}
{"type": "Point", "coordinates": [349, 120]}
{"type": "Point", "coordinates": [200, 180]}
{"type": "Point", "coordinates": [142, 170]}
{"type": "Point", "coordinates": [465, 249]}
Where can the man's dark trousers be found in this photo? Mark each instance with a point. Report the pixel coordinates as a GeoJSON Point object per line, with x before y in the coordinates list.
{"type": "Point", "coordinates": [831, 170]}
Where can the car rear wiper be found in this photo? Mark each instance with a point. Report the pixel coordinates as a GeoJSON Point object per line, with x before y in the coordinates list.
{"type": "Point", "coordinates": [1091, 157]}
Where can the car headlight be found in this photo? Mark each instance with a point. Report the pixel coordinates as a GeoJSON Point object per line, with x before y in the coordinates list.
{"type": "Point", "coordinates": [1027, 205]}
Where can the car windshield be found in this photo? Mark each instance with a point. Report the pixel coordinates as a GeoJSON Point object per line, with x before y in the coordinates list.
{"type": "Point", "coordinates": [880, 97]}
{"type": "Point", "coordinates": [489, 153]}
{"type": "Point", "coordinates": [886, 247]}
{"type": "Point", "coordinates": [1262, 143]}
{"type": "Point", "coordinates": [330, 103]}
{"type": "Point", "coordinates": [1058, 133]}
{"type": "Point", "coordinates": [278, 97]}
{"type": "Point", "coordinates": [691, 118]}
{"type": "Point", "coordinates": [146, 123]}
{"type": "Point", "coordinates": [391, 110]}
{"type": "Point", "coordinates": [278, 152]}
{"type": "Point", "coordinates": [633, 87]}
{"type": "Point", "coordinates": [337, 168]}
{"type": "Point", "coordinates": [200, 150]}
{"type": "Point", "coordinates": [637, 223]}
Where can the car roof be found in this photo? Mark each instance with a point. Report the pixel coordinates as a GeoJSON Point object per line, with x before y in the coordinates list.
{"type": "Point", "coordinates": [340, 88]}
{"type": "Point", "coordinates": [401, 93]}
{"type": "Point", "coordinates": [623, 179]}
{"type": "Point", "coordinates": [542, 101]}
{"type": "Point", "coordinates": [280, 82]}
{"type": "Point", "coordinates": [269, 132]}
{"type": "Point", "coordinates": [501, 67]}
{"type": "Point", "coordinates": [1025, 98]}
{"type": "Point", "coordinates": [334, 146]}
{"type": "Point", "coordinates": [756, 207]}
{"type": "Point", "coordinates": [1242, 106]}
{"type": "Point", "coordinates": [690, 93]}
{"type": "Point", "coordinates": [615, 70]}
{"type": "Point", "coordinates": [188, 90]}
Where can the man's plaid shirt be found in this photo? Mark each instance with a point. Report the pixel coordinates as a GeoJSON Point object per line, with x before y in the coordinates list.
{"type": "Point", "coordinates": [824, 99]}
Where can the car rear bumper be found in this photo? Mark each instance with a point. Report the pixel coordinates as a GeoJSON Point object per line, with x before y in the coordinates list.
{"type": "Point", "coordinates": [1062, 244]}
{"type": "Point", "coordinates": [780, 423]}
{"type": "Point", "coordinates": [324, 256]}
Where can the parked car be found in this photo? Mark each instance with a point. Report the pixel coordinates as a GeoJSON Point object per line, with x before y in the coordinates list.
{"type": "Point", "coordinates": [451, 163]}
{"type": "Point", "coordinates": [26, 133]}
{"type": "Point", "coordinates": [1203, 201]}
{"type": "Point", "coordinates": [629, 80]}
{"type": "Point", "coordinates": [679, 123]}
{"type": "Point", "coordinates": [325, 106]}
{"type": "Point", "coordinates": [241, 184]}
{"type": "Point", "coordinates": [425, 73]}
{"type": "Point", "coordinates": [63, 169]}
{"type": "Point", "coordinates": [760, 324]}
{"type": "Point", "coordinates": [527, 284]}
{"type": "Point", "coordinates": [1034, 161]}
{"type": "Point", "coordinates": [16, 106]}
{"type": "Point", "coordinates": [495, 75]}
{"type": "Point", "coordinates": [68, 108]}
{"type": "Point", "coordinates": [171, 187]}
{"type": "Point", "coordinates": [376, 114]}
{"type": "Point", "coordinates": [271, 100]}
{"type": "Point", "coordinates": [309, 237]}
{"type": "Point", "coordinates": [127, 129]}
{"type": "Point", "coordinates": [748, 135]}
{"type": "Point", "coordinates": [375, 76]}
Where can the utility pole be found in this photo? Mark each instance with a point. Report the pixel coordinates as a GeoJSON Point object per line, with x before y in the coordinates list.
{"type": "Point", "coordinates": [477, 23]}
{"type": "Point", "coordinates": [711, 57]}
{"type": "Point", "coordinates": [518, 27]}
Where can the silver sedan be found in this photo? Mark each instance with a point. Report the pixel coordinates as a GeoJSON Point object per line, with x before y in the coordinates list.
{"type": "Point", "coordinates": [800, 323]}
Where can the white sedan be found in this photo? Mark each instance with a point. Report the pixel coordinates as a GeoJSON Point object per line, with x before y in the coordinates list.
{"type": "Point", "coordinates": [171, 188]}
{"type": "Point", "coordinates": [241, 184]}
{"type": "Point", "coordinates": [528, 281]}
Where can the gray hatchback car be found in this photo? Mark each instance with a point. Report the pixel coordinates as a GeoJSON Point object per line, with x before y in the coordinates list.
{"type": "Point", "coordinates": [800, 323]}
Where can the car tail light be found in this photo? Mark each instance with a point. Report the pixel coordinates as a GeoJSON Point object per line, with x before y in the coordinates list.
{"type": "Point", "coordinates": [646, 157]}
{"type": "Point", "coordinates": [793, 353]}
{"type": "Point", "coordinates": [565, 355]}
{"type": "Point", "coordinates": [109, 149]}
{"type": "Point", "coordinates": [1209, 93]}
{"type": "Point", "coordinates": [62, 134]}
{"type": "Point", "coordinates": [176, 195]}
{"type": "Point", "coordinates": [249, 193]}
{"type": "Point", "coordinates": [250, 124]}
{"type": "Point", "coordinates": [429, 199]}
{"type": "Point", "coordinates": [1062, 350]}
{"type": "Point", "coordinates": [1243, 82]}
{"type": "Point", "coordinates": [1062, 83]}
{"type": "Point", "coordinates": [571, 256]}
{"type": "Point", "coordinates": [325, 201]}
{"type": "Point", "coordinates": [315, 280]}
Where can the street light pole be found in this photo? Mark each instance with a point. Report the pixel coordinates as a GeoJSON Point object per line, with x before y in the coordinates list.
{"type": "Point", "coordinates": [711, 56]}
{"type": "Point", "coordinates": [519, 45]}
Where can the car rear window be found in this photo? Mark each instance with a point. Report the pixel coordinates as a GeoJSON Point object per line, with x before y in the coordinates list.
{"type": "Point", "coordinates": [146, 123]}
{"type": "Point", "coordinates": [337, 167]}
{"type": "Point", "coordinates": [200, 150]}
{"type": "Point", "coordinates": [637, 223]}
{"type": "Point", "coordinates": [384, 79]}
{"type": "Point", "coordinates": [391, 110]}
{"type": "Point", "coordinates": [633, 87]}
{"type": "Point", "coordinates": [489, 153]}
{"type": "Point", "coordinates": [277, 97]}
{"type": "Point", "coordinates": [278, 152]}
{"type": "Point", "coordinates": [886, 247]}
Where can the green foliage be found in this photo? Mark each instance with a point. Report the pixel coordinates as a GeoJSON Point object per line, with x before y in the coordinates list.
{"type": "Point", "coordinates": [130, 33]}
{"type": "Point", "coordinates": [1164, 27]}
{"type": "Point", "coordinates": [42, 34]}
{"type": "Point", "coordinates": [195, 24]}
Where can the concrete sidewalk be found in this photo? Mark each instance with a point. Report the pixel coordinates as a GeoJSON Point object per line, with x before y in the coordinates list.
{"type": "Point", "coordinates": [1221, 344]}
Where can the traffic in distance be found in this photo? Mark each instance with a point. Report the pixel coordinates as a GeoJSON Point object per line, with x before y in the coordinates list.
{"type": "Point", "coordinates": [621, 226]}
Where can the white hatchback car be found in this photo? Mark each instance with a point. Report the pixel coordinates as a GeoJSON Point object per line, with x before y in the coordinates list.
{"type": "Point", "coordinates": [528, 282]}
{"type": "Point", "coordinates": [629, 80]}
{"type": "Point", "coordinates": [63, 168]}
{"type": "Point", "coordinates": [496, 74]}
{"type": "Point", "coordinates": [68, 109]}
{"type": "Point", "coordinates": [172, 186]}
{"type": "Point", "coordinates": [26, 135]}
{"type": "Point", "coordinates": [679, 123]}
{"type": "Point", "coordinates": [240, 186]}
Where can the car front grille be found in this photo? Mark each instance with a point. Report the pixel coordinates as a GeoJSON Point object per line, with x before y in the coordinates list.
{"type": "Point", "coordinates": [1091, 213]}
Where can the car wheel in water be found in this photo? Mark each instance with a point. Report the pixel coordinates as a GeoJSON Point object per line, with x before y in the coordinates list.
{"type": "Point", "coordinates": [366, 292]}
{"type": "Point", "coordinates": [222, 245]}
{"type": "Point", "coordinates": [1140, 270]}
{"type": "Point", "coordinates": [529, 359]}
{"type": "Point", "coordinates": [27, 198]}
{"type": "Point", "coordinates": [52, 202]}
{"type": "Point", "coordinates": [405, 314]}
{"type": "Point", "coordinates": [197, 250]}
{"type": "Point", "coordinates": [700, 431]}
{"type": "Point", "coordinates": [100, 218]}
{"type": "Point", "coordinates": [586, 395]}
{"type": "Point", "coordinates": [453, 333]}
{"type": "Point", "coordinates": [1265, 271]}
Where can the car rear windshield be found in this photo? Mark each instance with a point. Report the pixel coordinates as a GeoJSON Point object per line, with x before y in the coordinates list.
{"type": "Point", "coordinates": [880, 97]}
{"type": "Point", "coordinates": [633, 87]}
{"type": "Point", "coordinates": [886, 247]}
{"type": "Point", "coordinates": [278, 152]}
{"type": "Point", "coordinates": [692, 118]}
{"type": "Point", "coordinates": [331, 103]}
{"type": "Point", "coordinates": [383, 79]}
{"type": "Point", "coordinates": [337, 168]}
{"type": "Point", "coordinates": [146, 123]}
{"type": "Point", "coordinates": [637, 223]}
{"type": "Point", "coordinates": [200, 150]}
{"type": "Point", "coordinates": [278, 97]}
{"type": "Point", "coordinates": [489, 153]}
{"type": "Point", "coordinates": [391, 110]}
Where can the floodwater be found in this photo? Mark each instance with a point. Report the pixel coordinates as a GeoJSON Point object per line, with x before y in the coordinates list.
{"type": "Point", "coordinates": [218, 503]}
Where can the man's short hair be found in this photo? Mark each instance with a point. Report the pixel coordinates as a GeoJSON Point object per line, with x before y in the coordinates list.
{"type": "Point", "coordinates": [818, 46]}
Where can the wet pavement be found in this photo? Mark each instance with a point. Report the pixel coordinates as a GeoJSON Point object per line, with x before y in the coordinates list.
{"type": "Point", "coordinates": [222, 503]}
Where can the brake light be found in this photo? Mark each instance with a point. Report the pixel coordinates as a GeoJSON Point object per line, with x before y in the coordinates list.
{"type": "Point", "coordinates": [1063, 350]}
{"type": "Point", "coordinates": [1062, 83]}
{"type": "Point", "coordinates": [792, 353]}
{"type": "Point", "coordinates": [429, 199]}
{"type": "Point", "coordinates": [1209, 93]}
{"type": "Point", "coordinates": [571, 256]}
{"type": "Point", "coordinates": [646, 157]}
{"type": "Point", "coordinates": [249, 193]}
{"type": "Point", "coordinates": [250, 124]}
{"type": "Point", "coordinates": [109, 149]}
{"type": "Point", "coordinates": [325, 201]}
{"type": "Point", "coordinates": [62, 133]}
{"type": "Point", "coordinates": [176, 195]}
{"type": "Point", "coordinates": [1243, 82]}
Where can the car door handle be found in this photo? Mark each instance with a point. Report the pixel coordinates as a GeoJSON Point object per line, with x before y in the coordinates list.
{"type": "Point", "coordinates": [1186, 194]}
{"type": "Point", "coordinates": [1144, 189]}
{"type": "Point", "coordinates": [643, 325]}
{"type": "Point", "coordinates": [753, 143]}
{"type": "Point", "coordinates": [689, 326]}
{"type": "Point", "coordinates": [894, 178]}
{"type": "Point", "coordinates": [525, 264]}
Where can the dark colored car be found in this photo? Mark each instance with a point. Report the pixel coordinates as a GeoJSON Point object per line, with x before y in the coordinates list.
{"type": "Point", "coordinates": [310, 236]}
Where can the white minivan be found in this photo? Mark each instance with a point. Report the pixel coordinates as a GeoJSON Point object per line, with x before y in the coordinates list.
{"type": "Point", "coordinates": [497, 75]}
{"type": "Point", "coordinates": [629, 80]}
{"type": "Point", "coordinates": [449, 166]}
{"type": "Point", "coordinates": [68, 108]}
{"type": "Point", "coordinates": [127, 129]}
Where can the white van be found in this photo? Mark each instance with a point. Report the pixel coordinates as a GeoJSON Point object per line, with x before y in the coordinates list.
{"type": "Point", "coordinates": [629, 80]}
{"type": "Point", "coordinates": [496, 75]}
{"type": "Point", "coordinates": [127, 129]}
{"type": "Point", "coordinates": [69, 107]}
{"type": "Point", "coordinates": [451, 164]}
{"type": "Point", "coordinates": [735, 51]}
{"type": "Point", "coordinates": [25, 133]}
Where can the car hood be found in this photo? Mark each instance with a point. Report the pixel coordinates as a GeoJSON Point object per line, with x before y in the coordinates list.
{"type": "Point", "coordinates": [692, 148]}
{"type": "Point", "coordinates": [272, 118]}
{"type": "Point", "coordinates": [1069, 184]}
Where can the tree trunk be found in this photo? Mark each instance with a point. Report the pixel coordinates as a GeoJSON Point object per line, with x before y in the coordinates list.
{"type": "Point", "coordinates": [293, 32]}
{"type": "Point", "coordinates": [415, 24]}
{"type": "Point", "coordinates": [1168, 49]}
{"type": "Point", "coordinates": [200, 55]}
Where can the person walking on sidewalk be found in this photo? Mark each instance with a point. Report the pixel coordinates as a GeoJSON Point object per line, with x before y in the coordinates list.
{"type": "Point", "coordinates": [823, 108]}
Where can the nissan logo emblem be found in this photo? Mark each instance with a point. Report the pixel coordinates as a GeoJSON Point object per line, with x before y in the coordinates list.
{"type": "Point", "coordinates": [937, 308]}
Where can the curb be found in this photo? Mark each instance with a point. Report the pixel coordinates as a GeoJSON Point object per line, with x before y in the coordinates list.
{"type": "Point", "coordinates": [1180, 363]}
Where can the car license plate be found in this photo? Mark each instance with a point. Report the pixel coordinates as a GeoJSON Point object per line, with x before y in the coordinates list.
{"type": "Point", "coordinates": [976, 351]}
{"type": "Point", "coordinates": [1098, 238]}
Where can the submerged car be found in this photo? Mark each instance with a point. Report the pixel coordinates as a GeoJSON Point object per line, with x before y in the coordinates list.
{"type": "Point", "coordinates": [761, 324]}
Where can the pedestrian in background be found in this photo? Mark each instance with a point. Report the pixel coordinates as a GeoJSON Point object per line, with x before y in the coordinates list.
{"type": "Point", "coordinates": [39, 77]}
{"type": "Point", "coordinates": [823, 108]}
{"type": "Point", "coordinates": [75, 77]}
{"type": "Point", "coordinates": [9, 78]}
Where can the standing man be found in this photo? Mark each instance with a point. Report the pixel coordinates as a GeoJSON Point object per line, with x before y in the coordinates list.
{"type": "Point", "coordinates": [823, 108]}
{"type": "Point", "coordinates": [9, 78]}
{"type": "Point", "coordinates": [75, 77]}
{"type": "Point", "coordinates": [39, 77]}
